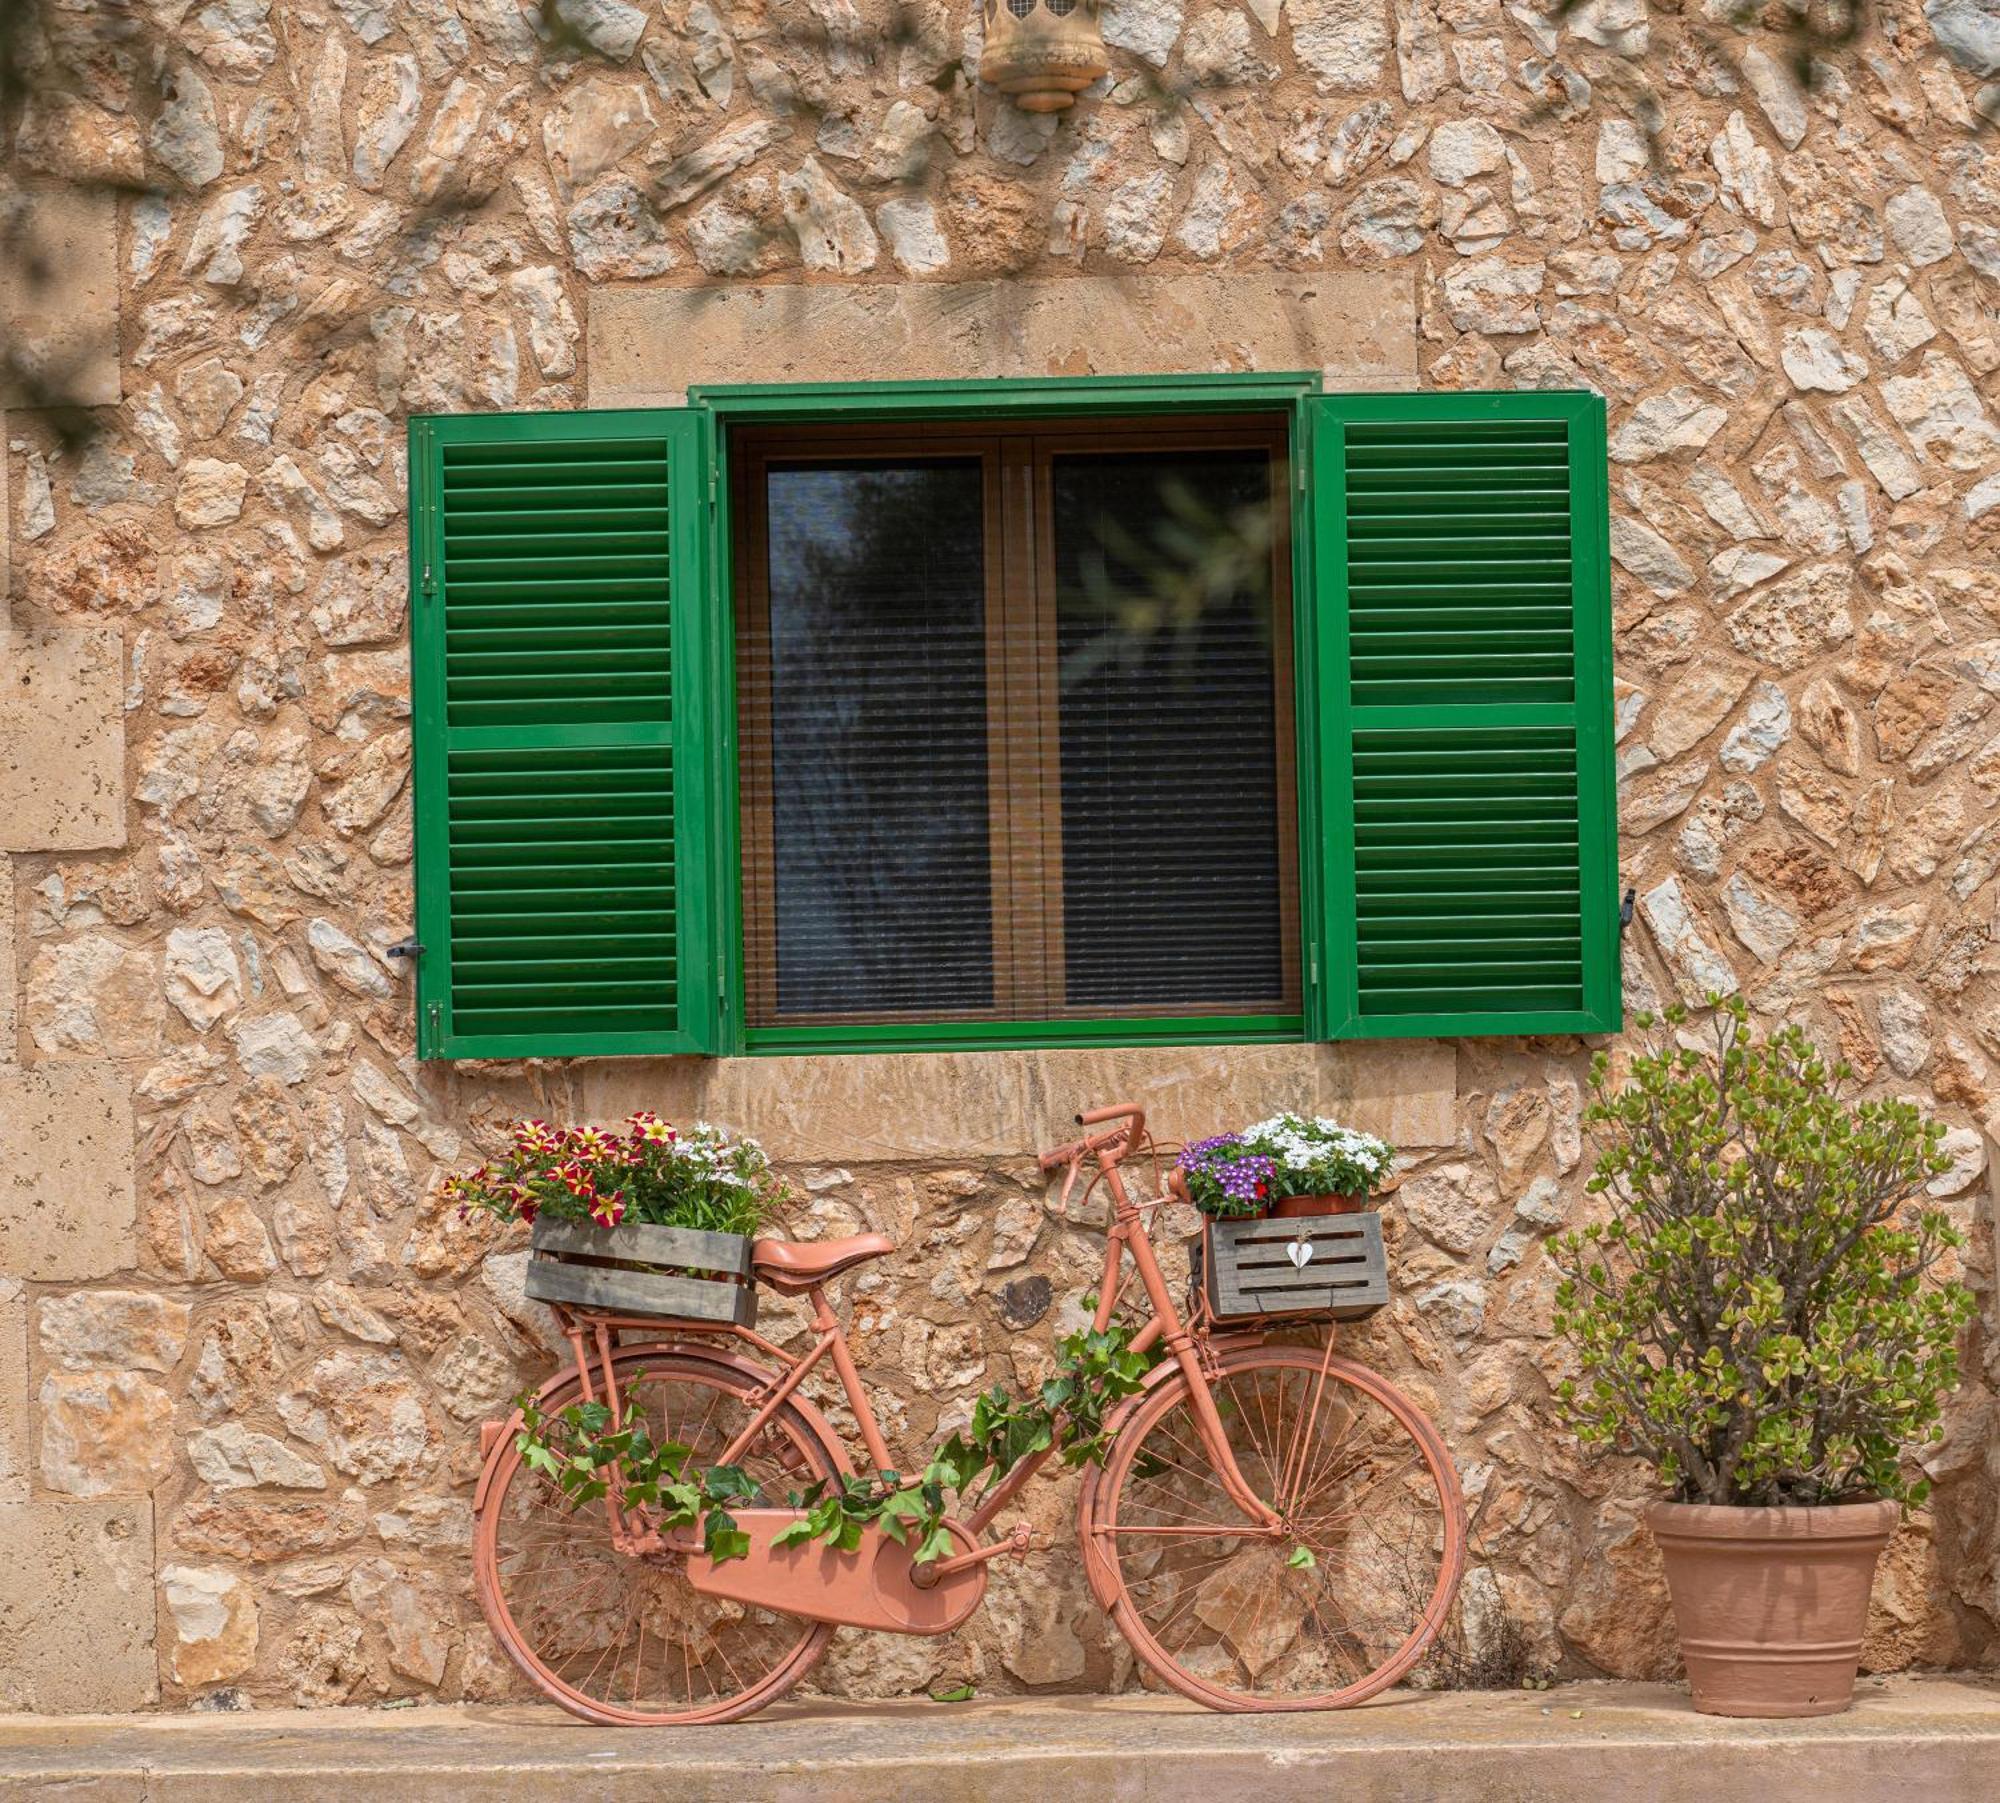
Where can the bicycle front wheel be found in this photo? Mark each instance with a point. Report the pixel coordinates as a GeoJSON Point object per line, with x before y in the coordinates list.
{"type": "Point", "coordinates": [1339, 1604]}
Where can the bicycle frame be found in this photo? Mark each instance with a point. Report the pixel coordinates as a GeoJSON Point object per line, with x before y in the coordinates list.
{"type": "Point", "coordinates": [593, 1340]}
{"type": "Point", "coordinates": [878, 1584]}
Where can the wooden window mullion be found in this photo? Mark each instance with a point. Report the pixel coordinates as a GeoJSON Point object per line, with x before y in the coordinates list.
{"type": "Point", "coordinates": [1007, 759]}
{"type": "Point", "coordinates": [1046, 812]}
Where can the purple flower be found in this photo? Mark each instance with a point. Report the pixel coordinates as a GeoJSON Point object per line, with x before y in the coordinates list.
{"type": "Point", "coordinates": [1224, 1178]}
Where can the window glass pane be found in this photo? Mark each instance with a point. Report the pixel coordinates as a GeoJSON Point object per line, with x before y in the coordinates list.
{"type": "Point", "coordinates": [879, 866]}
{"type": "Point", "coordinates": [1168, 699]}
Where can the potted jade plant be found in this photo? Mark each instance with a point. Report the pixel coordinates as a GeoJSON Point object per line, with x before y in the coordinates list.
{"type": "Point", "coordinates": [644, 1218]}
{"type": "Point", "coordinates": [1761, 1315]}
{"type": "Point", "coordinates": [1289, 1166]}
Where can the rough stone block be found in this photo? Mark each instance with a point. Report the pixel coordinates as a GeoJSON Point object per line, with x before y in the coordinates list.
{"type": "Point", "coordinates": [649, 345]}
{"type": "Point", "coordinates": [62, 740]}
{"type": "Point", "coordinates": [59, 300]}
{"type": "Point", "coordinates": [76, 1607]}
{"type": "Point", "coordinates": [1406, 1090]}
{"type": "Point", "coordinates": [66, 1167]}
{"type": "Point", "coordinates": [13, 1390]}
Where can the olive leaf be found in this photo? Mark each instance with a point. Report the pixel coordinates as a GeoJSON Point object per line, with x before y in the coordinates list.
{"type": "Point", "coordinates": [1760, 1310]}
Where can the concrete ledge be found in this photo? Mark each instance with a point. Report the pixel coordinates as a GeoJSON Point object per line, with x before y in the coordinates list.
{"type": "Point", "coordinates": [650, 344]}
{"type": "Point", "coordinates": [897, 1107]}
{"type": "Point", "coordinates": [1934, 1738]}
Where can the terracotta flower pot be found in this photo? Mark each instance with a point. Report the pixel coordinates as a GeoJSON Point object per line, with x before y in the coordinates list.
{"type": "Point", "coordinates": [1771, 1603]}
{"type": "Point", "coordinates": [1290, 1208]}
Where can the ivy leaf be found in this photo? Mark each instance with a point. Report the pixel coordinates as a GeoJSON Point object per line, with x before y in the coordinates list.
{"type": "Point", "coordinates": [725, 1482]}
{"type": "Point", "coordinates": [1302, 1559]}
{"type": "Point", "coordinates": [722, 1539]}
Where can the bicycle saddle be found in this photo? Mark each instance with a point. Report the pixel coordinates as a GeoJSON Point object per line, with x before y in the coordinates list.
{"type": "Point", "coordinates": [791, 1266]}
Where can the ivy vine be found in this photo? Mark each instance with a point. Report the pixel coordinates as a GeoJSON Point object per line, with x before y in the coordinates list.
{"type": "Point", "coordinates": [582, 1452]}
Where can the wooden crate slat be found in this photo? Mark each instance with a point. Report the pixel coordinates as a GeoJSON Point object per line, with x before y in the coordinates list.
{"type": "Point", "coordinates": [640, 1292]}
{"type": "Point", "coordinates": [645, 1244]}
{"type": "Point", "coordinates": [1248, 1271]}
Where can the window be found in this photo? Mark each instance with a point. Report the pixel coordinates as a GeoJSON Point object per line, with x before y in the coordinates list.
{"type": "Point", "coordinates": [1093, 711]}
{"type": "Point", "coordinates": [1017, 738]}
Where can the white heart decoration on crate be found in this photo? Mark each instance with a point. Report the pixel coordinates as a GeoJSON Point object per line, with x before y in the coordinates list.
{"type": "Point", "coordinates": [1300, 1252]}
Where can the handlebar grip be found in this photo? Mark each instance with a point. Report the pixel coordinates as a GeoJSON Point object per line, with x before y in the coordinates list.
{"type": "Point", "coordinates": [1091, 1116]}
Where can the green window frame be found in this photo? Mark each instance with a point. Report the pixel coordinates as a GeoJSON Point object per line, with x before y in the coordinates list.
{"type": "Point", "coordinates": [1511, 758]}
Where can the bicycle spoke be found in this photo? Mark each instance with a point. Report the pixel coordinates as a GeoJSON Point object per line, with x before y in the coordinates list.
{"type": "Point", "coordinates": [632, 1634]}
{"type": "Point", "coordinates": [1214, 1605]}
{"type": "Point", "coordinates": [1316, 1475]}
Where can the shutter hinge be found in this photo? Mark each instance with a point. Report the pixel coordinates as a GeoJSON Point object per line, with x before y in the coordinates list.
{"type": "Point", "coordinates": [410, 948]}
{"type": "Point", "coordinates": [711, 488]}
{"type": "Point", "coordinates": [428, 587]}
{"type": "Point", "coordinates": [1625, 910]}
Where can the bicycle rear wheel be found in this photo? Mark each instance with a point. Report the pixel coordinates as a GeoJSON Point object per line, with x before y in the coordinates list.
{"type": "Point", "coordinates": [1333, 1609]}
{"type": "Point", "coordinates": [623, 1640]}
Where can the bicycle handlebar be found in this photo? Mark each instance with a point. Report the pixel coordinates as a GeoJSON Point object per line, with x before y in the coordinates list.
{"type": "Point", "coordinates": [1130, 1134]}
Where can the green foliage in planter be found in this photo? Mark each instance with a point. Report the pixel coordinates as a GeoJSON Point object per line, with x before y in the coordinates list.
{"type": "Point", "coordinates": [1760, 1316]}
{"type": "Point", "coordinates": [645, 1170]}
{"type": "Point", "coordinates": [579, 1451]}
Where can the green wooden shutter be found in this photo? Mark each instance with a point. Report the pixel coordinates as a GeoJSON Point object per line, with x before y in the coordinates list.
{"type": "Point", "coordinates": [1464, 689]}
{"type": "Point", "coordinates": [558, 651]}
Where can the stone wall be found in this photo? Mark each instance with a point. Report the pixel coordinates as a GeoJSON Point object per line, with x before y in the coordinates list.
{"type": "Point", "coordinates": [244, 1357]}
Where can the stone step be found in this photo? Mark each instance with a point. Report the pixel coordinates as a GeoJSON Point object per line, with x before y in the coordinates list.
{"type": "Point", "coordinates": [1935, 1738]}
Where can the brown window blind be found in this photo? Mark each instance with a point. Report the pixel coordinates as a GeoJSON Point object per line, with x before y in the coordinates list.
{"type": "Point", "coordinates": [1016, 724]}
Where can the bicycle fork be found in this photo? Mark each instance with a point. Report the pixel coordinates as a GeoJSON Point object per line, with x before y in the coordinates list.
{"type": "Point", "coordinates": [1128, 1235]}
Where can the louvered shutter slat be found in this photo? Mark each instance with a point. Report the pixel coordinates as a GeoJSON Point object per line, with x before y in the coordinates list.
{"type": "Point", "coordinates": [554, 846]}
{"type": "Point", "coordinates": [1464, 610]}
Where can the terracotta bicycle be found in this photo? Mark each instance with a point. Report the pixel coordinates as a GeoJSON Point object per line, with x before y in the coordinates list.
{"type": "Point", "coordinates": [1236, 1454]}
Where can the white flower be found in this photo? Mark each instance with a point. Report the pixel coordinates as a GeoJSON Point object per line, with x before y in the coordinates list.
{"type": "Point", "coordinates": [1315, 1154]}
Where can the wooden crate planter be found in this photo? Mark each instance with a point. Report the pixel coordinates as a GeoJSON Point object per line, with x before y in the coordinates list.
{"type": "Point", "coordinates": [614, 1270]}
{"type": "Point", "coordinates": [1248, 1270]}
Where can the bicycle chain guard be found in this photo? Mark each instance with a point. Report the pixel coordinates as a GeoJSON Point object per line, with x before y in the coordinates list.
{"type": "Point", "coordinates": [875, 1586]}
